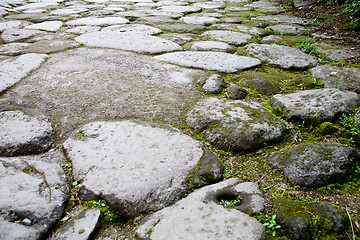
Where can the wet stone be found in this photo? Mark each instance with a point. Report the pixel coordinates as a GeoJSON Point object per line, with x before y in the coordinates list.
{"type": "Point", "coordinates": [337, 77]}
{"type": "Point", "coordinates": [234, 125]}
{"type": "Point", "coordinates": [137, 166]}
{"type": "Point", "coordinates": [282, 56]}
{"type": "Point", "coordinates": [230, 37]}
{"type": "Point", "coordinates": [13, 70]}
{"type": "Point", "coordinates": [128, 41]}
{"type": "Point", "coordinates": [315, 165]}
{"type": "Point", "coordinates": [214, 61]}
{"type": "Point", "coordinates": [200, 216]}
{"type": "Point", "coordinates": [315, 106]}
{"type": "Point", "coordinates": [34, 191]}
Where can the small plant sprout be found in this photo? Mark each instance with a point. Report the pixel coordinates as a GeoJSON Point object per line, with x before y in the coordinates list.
{"type": "Point", "coordinates": [271, 224]}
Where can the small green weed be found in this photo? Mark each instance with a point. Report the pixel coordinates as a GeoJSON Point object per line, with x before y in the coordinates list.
{"type": "Point", "coordinates": [307, 46]}
{"type": "Point", "coordinates": [348, 121]}
{"type": "Point", "coordinates": [308, 199]}
{"type": "Point", "coordinates": [74, 195]}
{"type": "Point", "coordinates": [107, 216]}
{"type": "Point", "coordinates": [269, 221]}
{"type": "Point", "coordinates": [231, 203]}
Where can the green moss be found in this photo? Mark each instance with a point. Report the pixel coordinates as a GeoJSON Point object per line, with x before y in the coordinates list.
{"type": "Point", "coordinates": [27, 170]}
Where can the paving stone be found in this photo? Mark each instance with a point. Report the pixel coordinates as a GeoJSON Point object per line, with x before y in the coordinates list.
{"type": "Point", "coordinates": [210, 5]}
{"type": "Point", "coordinates": [200, 216]}
{"type": "Point", "coordinates": [51, 46]}
{"type": "Point", "coordinates": [13, 70]}
{"type": "Point", "coordinates": [206, 21]}
{"type": "Point", "coordinates": [332, 52]}
{"type": "Point", "coordinates": [9, 24]}
{"type": "Point", "coordinates": [315, 106]}
{"type": "Point", "coordinates": [80, 227]}
{"type": "Point", "coordinates": [68, 11]}
{"type": "Point", "coordinates": [140, 28]}
{"type": "Point", "coordinates": [211, 46]}
{"type": "Point", "coordinates": [337, 77]}
{"type": "Point", "coordinates": [282, 56]}
{"type": "Point", "coordinates": [13, 35]}
{"type": "Point", "coordinates": [288, 29]}
{"type": "Point", "coordinates": [98, 21]}
{"type": "Point", "coordinates": [213, 61]}
{"type": "Point", "coordinates": [234, 125]}
{"type": "Point", "coordinates": [252, 30]}
{"type": "Point", "coordinates": [286, 19]}
{"type": "Point", "coordinates": [214, 84]}
{"type": "Point", "coordinates": [180, 9]}
{"type": "Point", "coordinates": [128, 41]}
{"type": "Point", "coordinates": [34, 191]}
{"type": "Point", "coordinates": [83, 29]}
{"type": "Point", "coordinates": [50, 26]}
{"type": "Point", "coordinates": [265, 7]}
{"type": "Point", "coordinates": [230, 37]}
{"type": "Point", "coordinates": [137, 166]}
{"type": "Point", "coordinates": [13, 49]}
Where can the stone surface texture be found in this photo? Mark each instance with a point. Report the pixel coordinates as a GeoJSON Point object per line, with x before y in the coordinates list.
{"type": "Point", "coordinates": [200, 216]}
{"type": "Point", "coordinates": [136, 166]}
{"type": "Point", "coordinates": [234, 125]}
{"type": "Point", "coordinates": [315, 165]}
{"type": "Point", "coordinates": [314, 106]}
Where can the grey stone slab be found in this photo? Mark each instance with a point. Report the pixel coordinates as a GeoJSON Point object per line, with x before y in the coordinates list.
{"type": "Point", "coordinates": [14, 69]}
{"type": "Point", "coordinates": [214, 61]}
{"type": "Point", "coordinates": [265, 7]}
{"type": "Point", "coordinates": [210, 5]}
{"type": "Point", "coordinates": [128, 41]}
{"type": "Point", "coordinates": [68, 11]}
{"type": "Point", "coordinates": [252, 30]}
{"type": "Point", "coordinates": [180, 9]}
{"type": "Point", "coordinates": [286, 19]}
{"type": "Point", "coordinates": [314, 106]}
{"type": "Point", "coordinates": [9, 24]}
{"type": "Point", "coordinates": [137, 166]}
{"type": "Point", "coordinates": [37, 5]}
{"type": "Point", "coordinates": [83, 85]}
{"type": "Point", "coordinates": [211, 46]}
{"type": "Point", "coordinates": [206, 21]}
{"type": "Point", "coordinates": [200, 216]}
{"type": "Point", "coordinates": [230, 37]}
{"type": "Point", "coordinates": [282, 56]}
{"type": "Point", "coordinates": [13, 49]}
{"type": "Point", "coordinates": [50, 26]}
{"type": "Point", "coordinates": [33, 194]}
{"type": "Point", "coordinates": [337, 77]}
{"type": "Point", "coordinates": [333, 52]}
{"type": "Point", "coordinates": [287, 29]}
{"type": "Point", "coordinates": [80, 227]}
{"type": "Point", "coordinates": [234, 125]}
{"type": "Point", "coordinates": [139, 28]}
{"type": "Point", "coordinates": [98, 21]}
{"type": "Point", "coordinates": [13, 35]}
{"type": "Point", "coordinates": [315, 165]}
{"type": "Point", "coordinates": [51, 46]}
{"type": "Point", "coordinates": [83, 29]}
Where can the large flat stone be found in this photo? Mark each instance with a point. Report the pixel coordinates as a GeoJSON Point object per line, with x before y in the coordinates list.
{"type": "Point", "coordinates": [200, 216]}
{"type": "Point", "coordinates": [128, 41]}
{"type": "Point", "coordinates": [234, 125]}
{"type": "Point", "coordinates": [13, 70]}
{"type": "Point", "coordinates": [214, 61]}
{"type": "Point", "coordinates": [50, 26]}
{"type": "Point", "coordinates": [315, 106]}
{"type": "Point", "coordinates": [13, 35]}
{"type": "Point", "coordinates": [282, 56]}
{"type": "Point", "coordinates": [98, 21]}
{"type": "Point", "coordinates": [230, 37]}
{"type": "Point", "coordinates": [137, 166]}
{"type": "Point", "coordinates": [286, 19]}
{"type": "Point", "coordinates": [33, 193]}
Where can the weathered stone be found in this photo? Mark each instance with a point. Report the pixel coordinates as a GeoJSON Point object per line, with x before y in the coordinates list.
{"type": "Point", "coordinates": [210, 5]}
{"type": "Point", "coordinates": [263, 83]}
{"type": "Point", "coordinates": [338, 77]}
{"type": "Point", "coordinates": [13, 35]}
{"type": "Point", "coordinates": [51, 46]}
{"type": "Point", "coordinates": [83, 29]}
{"type": "Point", "coordinates": [68, 11]}
{"type": "Point", "coordinates": [214, 84]}
{"type": "Point", "coordinates": [234, 125]}
{"type": "Point", "coordinates": [200, 216]}
{"type": "Point", "coordinates": [315, 165]}
{"type": "Point", "coordinates": [287, 29]}
{"type": "Point", "coordinates": [214, 61]}
{"type": "Point", "coordinates": [282, 56]}
{"type": "Point", "coordinates": [13, 49]}
{"type": "Point", "coordinates": [254, 31]}
{"type": "Point", "coordinates": [211, 46]}
{"type": "Point", "coordinates": [50, 26]}
{"type": "Point", "coordinates": [98, 21]}
{"type": "Point", "coordinates": [80, 227]}
{"type": "Point", "coordinates": [139, 28]}
{"type": "Point", "coordinates": [230, 37]}
{"type": "Point", "coordinates": [296, 217]}
{"type": "Point", "coordinates": [315, 106]}
{"type": "Point", "coordinates": [137, 166]}
{"type": "Point", "coordinates": [182, 28]}
{"type": "Point", "coordinates": [265, 7]}
{"type": "Point", "coordinates": [34, 188]}
{"type": "Point", "coordinates": [9, 24]}
{"type": "Point", "coordinates": [271, 39]}
{"type": "Point", "coordinates": [128, 41]}
{"type": "Point", "coordinates": [206, 21]}
{"type": "Point", "coordinates": [332, 52]}
{"type": "Point", "coordinates": [180, 9]}
{"type": "Point", "coordinates": [287, 19]}
{"type": "Point", "coordinates": [13, 70]}
{"type": "Point", "coordinates": [236, 92]}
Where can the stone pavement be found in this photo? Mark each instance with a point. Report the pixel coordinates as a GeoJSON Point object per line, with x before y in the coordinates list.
{"type": "Point", "coordinates": [114, 91]}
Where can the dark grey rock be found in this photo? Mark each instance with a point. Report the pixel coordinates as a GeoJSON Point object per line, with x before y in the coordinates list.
{"type": "Point", "coordinates": [33, 194]}
{"type": "Point", "coordinates": [213, 61]}
{"type": "Point", "coordinates": [13, 70]}
{"type": "Point", "coordinates": [236, 92]}
{"type": "Point", "coordinates": [332, 52]}
{"type": "Point", "coordinates": [214, 84]}
{"type": "Point", "coordinates": [315, 106]}
{"type": "Point", "coordinates": [337, 77]}
{"type": "Point", "coordinates": [234, 125]}
{"type": "Point", "coordinates": [264, 84]}
{"type": "Point", "coordinates": [23, 131]}
{"type": "Point", "coordinates": [296, 217]}
{"type": "Point", "coordinates": [315, 165]}
{"type": "Point", "coordinates": [200, 216]}
{"type": "Point", "coordinates": [136, 166]}
{"type": "Point", "coordinates": [282, 56]}
{"type": "Point", "coordinates": [80, 227]}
